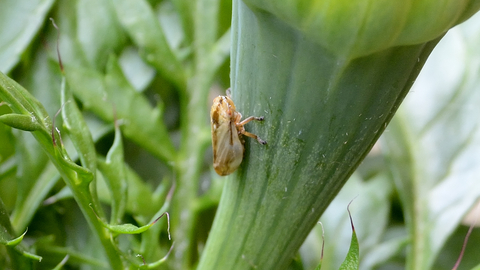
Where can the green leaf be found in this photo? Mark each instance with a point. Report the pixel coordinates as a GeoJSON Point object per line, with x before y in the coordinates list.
{"type": "Point", "coordinates": [74, 255]}
{"type": "Point", "coordinates": [156, 264]}
{"type": "Point", "coordinates": [19, 23]}
{"type": "Point", "coordinates": [48, 176]}
{"type": "Point", "coordinates": [352, 261]}
{"type": "Point", "coordinates": [141, 200]}
{"type": "Point", "coordinates": [323, 114]}
{"type": "Point", "coordinates": [78, 131]}
{"type": "Point", "coordinates": [129, 228]}
{"type": "Point", "coordinates": [6, 149]}
{"type": "Point", "coordinates": [6, 229]}
{"type": "Point", "coordinates": [80, 135]}
{"type": "Point", "coordinates": [15, 241]}
{"type": "Point", "coordinates": [32, 256]}
{"type": "Point", "coordinates": [149, 243]}
{"type": "Point", "coordinates": [206, 18]}
{"type": "Point", "coordinates": [98, 31]}
{"type": "Point", "coordinates": [169, 19]}
{"type": "Point", "coordinates": [142, 123]}
{"type": "Point", "coordinates": [31, 158]}
{"type": "Point", "coordinates": [385, 251]}
{"type": "Point", "coordinates": [139, 20]}
{"type": "Point", "coordinates": [372, 206]}
{"type": "Point", "coordinates": [76, 177]}
{"type": "Point", "coordinates": [64, 193]}
{"type": "Point", "coordinates": [352, 29]}
{"type": "Point", "coordinates": [115, 176]}
{"type": "Point", "coordinates": [20, 121]}
{"type": "Point", "coordinates": [186, 11]}
{"type": "Point", "coordinates": [138, 73]}
{"type": "Point", "coordinates": [6, 232]}
{"type": "Point", "coordinates": [7, 166]}
{"type": "Point", "coordinates": [433, 145]}
{"type": "Point", "coordinates": [62, 263]}
{"type": "Point", "coordinates": [22, 102]}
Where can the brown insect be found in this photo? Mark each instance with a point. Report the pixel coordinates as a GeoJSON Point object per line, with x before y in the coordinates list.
{"type": "Point", "coordinates": [227, 131]}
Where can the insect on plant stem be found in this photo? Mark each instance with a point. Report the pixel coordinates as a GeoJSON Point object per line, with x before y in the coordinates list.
{"type": "Point", "coordinates": [227, 132]}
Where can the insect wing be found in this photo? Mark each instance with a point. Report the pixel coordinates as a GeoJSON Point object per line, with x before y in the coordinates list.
{"type": "Point", "coordinates": [227, 147]}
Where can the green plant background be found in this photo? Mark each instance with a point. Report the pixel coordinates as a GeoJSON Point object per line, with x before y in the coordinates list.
{"type": "Point", "coordinates": [154, 67]}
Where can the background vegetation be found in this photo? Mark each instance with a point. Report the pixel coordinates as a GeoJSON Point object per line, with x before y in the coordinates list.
{"type": "Point", "coordinates": [153, 68]}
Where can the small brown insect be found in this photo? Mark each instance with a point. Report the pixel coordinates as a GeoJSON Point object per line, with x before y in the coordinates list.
{"type": "Point", "coordinates": [227, 131]}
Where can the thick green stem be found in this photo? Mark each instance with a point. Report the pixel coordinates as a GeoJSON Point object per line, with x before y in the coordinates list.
{"type": "Point", "coordinates": [188, 169]}
{"type": "Point", "coordinates": [79, 184]}
{"type": "Point", "coordinates": [195, 130]}
{"type": "Point", "coordinates": [323, 113]}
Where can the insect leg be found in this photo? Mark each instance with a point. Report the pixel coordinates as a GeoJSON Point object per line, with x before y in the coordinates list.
{"type": "Point", "coordinates": [251, 135]}
{"type": "Point", "coordinates": [248, 119]}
